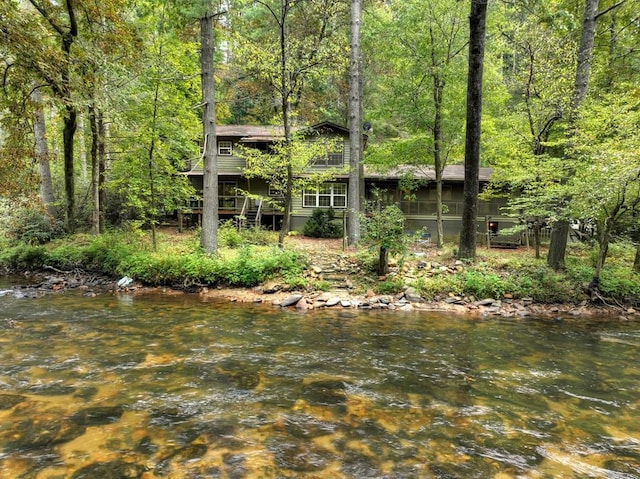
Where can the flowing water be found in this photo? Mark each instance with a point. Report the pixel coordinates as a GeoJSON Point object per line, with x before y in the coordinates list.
{"type": "Point", "coordinates": [117, 386]}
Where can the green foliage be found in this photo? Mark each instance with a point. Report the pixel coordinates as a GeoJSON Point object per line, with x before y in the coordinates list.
{"type": "Point", "coordinates": [439, 285]}
{"type": "Point", "coordinates": [383, 227]}
{"type": "Point", "coordinates": [246, 268]}
{"type": "Point", "coordinates": [389, 286]}
{"type": "Point", "coordinates": [228, 235]}
{"type": "Point", "coordinates": [24, 257]}
{"type": "Point", "coordinates": [322, 224]}
{"type": "Point", "coordinates": [32, 225]}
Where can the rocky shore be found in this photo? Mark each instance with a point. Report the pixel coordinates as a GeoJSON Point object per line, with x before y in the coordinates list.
{"type": "Point", "coordinates": [343, 297]}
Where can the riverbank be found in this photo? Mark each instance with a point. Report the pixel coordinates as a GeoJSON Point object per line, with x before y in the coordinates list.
{"type": "Point", "coordinates": [273, 294]}
{"type": "Point", "coordinates": [315, 273]}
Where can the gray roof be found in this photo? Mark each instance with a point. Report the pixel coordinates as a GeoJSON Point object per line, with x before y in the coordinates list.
{"type": "Point", "coordinates": [450, 173]}
{"type": "Point", "coordinates": [250, 132]}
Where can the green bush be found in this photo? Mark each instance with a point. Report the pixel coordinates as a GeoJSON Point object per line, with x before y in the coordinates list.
{"type": "Point", "coordinates": [25, 256]}
{"type": "Point", "coordinates": [33, 226]}
{"type": "Point", "coordinates": [228, 235]}
{"type": "Point", "coordinates": [323, 224]}
{"type": "Point", "coordinates": [389, 286]}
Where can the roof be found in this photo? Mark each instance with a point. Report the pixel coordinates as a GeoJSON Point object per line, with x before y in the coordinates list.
{"type": "Point", "coordinates": [266, 133]}
{"type": "Point", "coordinates": [450, 173]}
{"type": "Point", "coordinates": [250, 132]}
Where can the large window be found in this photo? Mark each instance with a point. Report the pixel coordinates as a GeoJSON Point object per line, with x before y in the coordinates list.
{"type": "Point", "coordinates": [225, 148]}
{"type": "Point", "coordinates": [328, 195]}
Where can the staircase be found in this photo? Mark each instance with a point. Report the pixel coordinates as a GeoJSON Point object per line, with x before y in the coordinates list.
{"type": "Point", "coordinates": [251, 214]}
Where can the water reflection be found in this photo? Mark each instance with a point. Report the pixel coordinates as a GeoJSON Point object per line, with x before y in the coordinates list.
{"type": "Point", "coordinates": [151, 387]}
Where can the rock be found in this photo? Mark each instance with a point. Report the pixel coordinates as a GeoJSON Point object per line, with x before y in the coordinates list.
{"type": "Point", "coordinates": [329, 392]}
{"type": "Point", "coordinates": [7, 401]}
{"type": "Point", "coordinates": [412, 295]}
{"type": "Point", "coordinates": [333, 301]}
{"type": "Point", "coordinates": [97, 416]}
{"type": "Point", "coordinates": [485, 302]}
{"type": "Point", "coordinates": [110, 470]}
{"type": "Point", "coordinates": [291, 300]}
{"type": "Point", "coordinates": [272, 288]}
{"type": "Point", "coordinates": [303, 305]}
{"type": "Point", "coordinates": [345, 303]}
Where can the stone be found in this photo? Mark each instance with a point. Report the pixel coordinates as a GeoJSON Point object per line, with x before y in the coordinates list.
{"type": "Point", "coordinates": [291, 300]}
{"type": "Point", "coordinates": [345, 303]}
{"type": "Point", "coordinates": [412, 295]}
{"type": "Point", "coordinates": [333, 301]}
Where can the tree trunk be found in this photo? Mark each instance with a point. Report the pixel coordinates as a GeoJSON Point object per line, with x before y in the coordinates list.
{"type": "Point", "coordinates": [383, 261]}
{"type": "Point", "coordinates": [560, 232]}
{"type": "Point", "coordinates": [355, 125]}
{"type": "Point", "coordinates": [82, 154]}
{"type": "Point", "coordinates": [636, 260]}
{"type": "Point", "coordinates": [209, 238]}
{"type": "Point", "coordinates": [95, 169]}
{"type": "Point", "coordinates": [438, 87]}
{"type": "Point", "coordinates": [284, 96]}
{"type": "Point", "coordinates": [477, 22]}
{"type": "Point", "coordinates": [102, 168]}
{"type": "Point", "coordinates": [42, 155]}
{"type": "Point", "coordinates": [69, 130]}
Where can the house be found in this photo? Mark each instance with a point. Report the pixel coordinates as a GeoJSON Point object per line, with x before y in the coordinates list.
{"type": "Point", "coordinates": [258, 206]}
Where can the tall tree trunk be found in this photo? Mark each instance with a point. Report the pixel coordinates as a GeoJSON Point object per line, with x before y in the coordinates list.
{"type": "Point", "coordinates": [438, 162]}
{"type": "Point", "coordinates": [477, 22]}
{"type": "Point", "coordinates": [69, 130]}
{"type": "Point", "coordinates": [209, 238]}
{"type": "Point", "coordinates": [560, 231]}
{"type": "Point", "coordinates": [636, 260]}
{"type": "Point", "coordinates": [102, 171]}
{"type": "Point", "coordinates": [82, 154]}
{"type": "Point", "coordinates": [284, 95]}
{"type": "Point", "coordinates": [355, 124]}
{"type": "Point", "coordinates": [42, 155]}
{"type": "Point", "coordinates": [95, 169]}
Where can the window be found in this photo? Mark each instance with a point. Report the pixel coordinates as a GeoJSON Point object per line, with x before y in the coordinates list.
{"type": "Point", "coordinates": [328, 195]}
{"type": "Point", "coordinates": [225, 148]}
{"type": "Point", "coordinates": [332, 158]}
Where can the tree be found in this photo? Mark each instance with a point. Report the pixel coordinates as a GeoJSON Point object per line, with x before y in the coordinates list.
{"type": "Point", "coordinates": [289, 47]}
{"type": "Point", "coordinates": [355, 124]}
{"type": "Point", "coordinates": [606, 185]}
{"type": "Point", "coordinates": [161, 132]}
{"type": "Point", "coordinates": [64, 24]}
{"type": "Point", "coordinates": [209, 239]}
{"type": "Point", "coordinates": [560, 232]}
{"type": "Point", "coordinates": [287, 166]}
{"type": "Point", "coordinates": [426, 42]}
{"type": "Point", "coordinates": [42, 154]}
{"type": "Point", "coordinates": [384, 229]}
{"type": "Point", "coordinates": [477, 22]}
{"type": "Point", "coordinates": [537, 73]}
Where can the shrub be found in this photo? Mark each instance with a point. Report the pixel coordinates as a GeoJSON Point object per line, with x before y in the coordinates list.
{"type": "Point", "coordinates": [389, 286]}
{"type": "Point", "coordinates": [228, 235]}
{"type": "Point", "coordinates": [25, 256]}
{"type": "Point", "coordinates": [323, 224]}
{"type": "Point", "coordinates": [33, 226]}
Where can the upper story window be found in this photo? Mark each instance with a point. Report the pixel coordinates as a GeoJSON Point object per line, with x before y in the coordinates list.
{"type": "Point", "coordinates": [332, 158]}
{"type": "Point", "coordinates": [225, 148]}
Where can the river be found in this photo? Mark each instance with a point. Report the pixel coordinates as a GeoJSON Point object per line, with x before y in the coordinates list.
{"type": "Point", "coordinates": [119, 386]}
